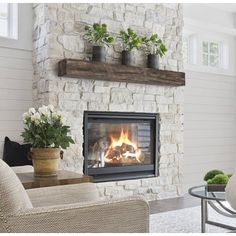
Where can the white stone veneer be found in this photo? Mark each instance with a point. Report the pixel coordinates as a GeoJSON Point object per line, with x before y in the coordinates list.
{"type": "Point", "coordinates": [58, 34]}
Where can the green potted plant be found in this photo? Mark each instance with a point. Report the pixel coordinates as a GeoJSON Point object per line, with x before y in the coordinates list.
{"type": "Point", "coordinates": [130, 40]}
{"type": "Point", "coordinates": [216, 180]}
{"type": "Point", "coordinates": [97, 35]}
{"type": "Point", "coordinates": [153, 47]}
{"type": "Point", "coordinates": [46, 131]}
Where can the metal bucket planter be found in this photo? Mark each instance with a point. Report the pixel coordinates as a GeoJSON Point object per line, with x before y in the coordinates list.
{"type": "Point", "coordinates": [99, 54]}
{"type": "Point", "coordinates": [127, 58]}
{"type": "Point", "coordinates": [45, 161]}
{"type": "Point", "coordinates": [153, 61]}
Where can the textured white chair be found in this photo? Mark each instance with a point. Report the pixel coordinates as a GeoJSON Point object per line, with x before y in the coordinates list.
{"type": "Point", "coordinates": [66, 209]}
{"type": "Point", "coordinates": [22, 169]}
{"type": "Point", "coordinates": [230, 192]}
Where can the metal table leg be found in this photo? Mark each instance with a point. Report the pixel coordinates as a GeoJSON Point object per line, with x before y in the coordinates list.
{"type": "Point", "coordinates": [209, 199]}
{"type": "Point", "coordinates": [204, 216]}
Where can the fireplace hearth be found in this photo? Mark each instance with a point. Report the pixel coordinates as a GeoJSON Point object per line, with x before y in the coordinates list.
{"type": "Point", "coordinates": [120, 145]}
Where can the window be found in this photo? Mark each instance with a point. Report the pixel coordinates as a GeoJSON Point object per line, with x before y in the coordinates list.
{"type": "Point", "coordinates": [4, 19]}
{"type": "Point", "coordinates": [8, 20]}
{"type": "Point", "coordinates": [211, 54]}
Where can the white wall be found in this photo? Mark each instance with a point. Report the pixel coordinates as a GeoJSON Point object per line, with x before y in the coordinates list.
{"type": "Point", "coordinates": [209, 127]}
{"type": "Point", "coordinates": [209, 99]}
{"type": "Point", "coordinates": [16, 75]}
{"type": "Point", "coordinates": [209, 14]}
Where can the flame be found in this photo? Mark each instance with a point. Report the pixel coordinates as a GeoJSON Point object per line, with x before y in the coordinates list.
{"type": "Point", "coordinates": [125, 156]}
{"type": "Point", "coordinates": [122, 139]}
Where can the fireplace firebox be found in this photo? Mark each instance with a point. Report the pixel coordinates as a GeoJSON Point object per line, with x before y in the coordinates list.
{"type": "Point", "coordinates": [120, 145]}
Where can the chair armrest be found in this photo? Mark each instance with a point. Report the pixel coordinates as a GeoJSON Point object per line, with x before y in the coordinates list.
{"type": "Point", "coordinates": [22, 169]}
{"type": "Point", "coordinates": [63, 194]}
{"type": "Point", "coordinates": [116, 216]}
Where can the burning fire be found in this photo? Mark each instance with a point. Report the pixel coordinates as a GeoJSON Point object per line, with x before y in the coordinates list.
{"type": "Point", "coordinates": [123, 150]}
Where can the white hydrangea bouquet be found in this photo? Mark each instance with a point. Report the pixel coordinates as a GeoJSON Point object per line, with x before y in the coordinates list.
{"type": "Point", "coordinates": [45, 127]}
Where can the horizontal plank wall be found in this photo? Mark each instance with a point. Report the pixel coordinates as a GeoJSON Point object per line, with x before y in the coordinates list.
{"type": "Point", "coordinates": [15, 91]}
{"type": "Point", "coordinates": [16, 75]}
{"type": "Point", "coordinates": [209, 125]}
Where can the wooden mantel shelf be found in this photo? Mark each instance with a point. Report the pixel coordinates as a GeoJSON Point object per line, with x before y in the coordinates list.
{"type": "Point", "coordinates": [113, 72]}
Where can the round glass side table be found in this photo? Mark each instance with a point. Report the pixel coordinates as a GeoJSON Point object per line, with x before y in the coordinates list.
{"type": "Point", "coordinates": [216, 201]}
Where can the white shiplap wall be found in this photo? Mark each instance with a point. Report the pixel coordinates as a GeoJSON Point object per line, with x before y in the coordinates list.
{"type": "Point", "coordinates": [209, 126]}
{"type": "Point", "coordinates": [16, 75]}
{"type": "Point", "coordinates": [209, 123]}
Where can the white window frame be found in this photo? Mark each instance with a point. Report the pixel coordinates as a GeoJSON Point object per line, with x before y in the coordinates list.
{"type": "Point", "coordinates": [6, 18]}
{"type": "Point", "coordinates": [209, 32]}
{"type": "Point", "coordinates": [12, 21]}
{"type": "Point", "coordinates": [192, 48]}
{"type": "Point", "coordinates": [186, 39]}
{"type": "Point", "coordinates": [195, 53]}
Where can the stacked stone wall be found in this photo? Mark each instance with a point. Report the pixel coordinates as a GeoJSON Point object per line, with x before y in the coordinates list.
{"type": "Point", "coordinates": [58, 34]}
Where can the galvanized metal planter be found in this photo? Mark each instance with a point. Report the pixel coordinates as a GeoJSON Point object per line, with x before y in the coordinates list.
{"type": "Point", "coordinates": [127, 58]}
{"type": "Point", "coordinates": [99, 54]}
{"type": "Point", "coordinates": [153, 61]}
{"type": "Point", "coordinates": [45, 161]}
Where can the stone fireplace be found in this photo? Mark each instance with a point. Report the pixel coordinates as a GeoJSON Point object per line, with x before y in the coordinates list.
{"type": "Point", "coordinates": [58, 34]}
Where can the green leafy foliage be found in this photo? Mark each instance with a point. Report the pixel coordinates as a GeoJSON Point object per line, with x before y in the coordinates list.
{"type": "Point", "coordinates": [154, 45]}
{"type": "Point", "coordinates": [219, 179]}
{"type": "Point", "coordinates": [97, 34]}
{"type": "Point", "coordinates": [46, 128]}
{"type": "Point", "coordinates": [209, 181]}
{"type": "Point", "coordinates": [211, 174]}
{"type": "Point", "coordinates": [130, 39]}
{"type": "Point", "coordinates": [229, 175]}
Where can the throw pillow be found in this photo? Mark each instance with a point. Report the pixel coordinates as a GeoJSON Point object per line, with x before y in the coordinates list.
{"type": "Point", "coordinates": [15, 154]}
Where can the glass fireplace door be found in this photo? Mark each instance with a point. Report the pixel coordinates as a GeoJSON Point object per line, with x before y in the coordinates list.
{"type": "Point", "coordinates": [116, 143]}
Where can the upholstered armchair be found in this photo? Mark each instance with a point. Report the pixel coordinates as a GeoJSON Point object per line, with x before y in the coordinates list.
{"type": "Point", "coordinates": [66, 209]}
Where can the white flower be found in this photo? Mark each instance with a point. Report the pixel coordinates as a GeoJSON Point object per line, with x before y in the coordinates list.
{"type": "Point", "coordinates": [47, 114]}
{"type": "Point", "coordinates": [57, 115]}
{"type": "Point", "coordinates": [36, 118]}
{"type": "Point", "coordinates": [43, 110]}
{"type": "Point", "coordinates": [25, 116]}
{"type": "Point", "coordinates": [51, 107]}
{"type": "Point", "coordinates": [54, 115]}
{"type": "Point", "coordinates": [32, 111]}
{"type": "Point", "coordinates": [37, 122]}
{"type": "Point", "coordinates": [63, 120]}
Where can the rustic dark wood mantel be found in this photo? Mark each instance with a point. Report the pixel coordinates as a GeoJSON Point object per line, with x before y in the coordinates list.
{"type": "Point", "coordinates": [114, 72]}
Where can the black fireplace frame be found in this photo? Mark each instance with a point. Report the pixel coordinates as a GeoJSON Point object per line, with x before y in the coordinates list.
{"type": "Point", "coordinates": [124, 172]}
